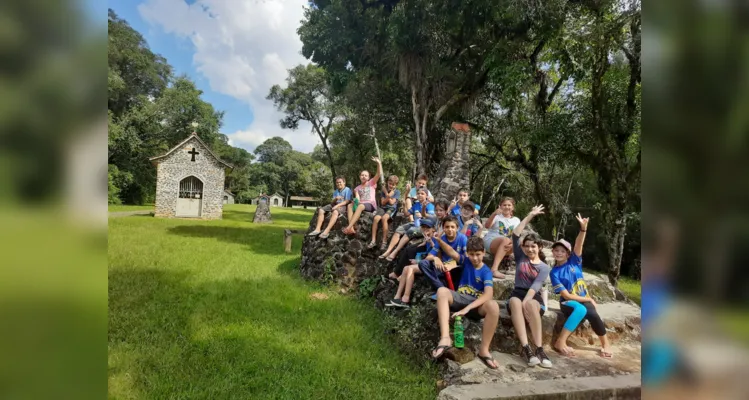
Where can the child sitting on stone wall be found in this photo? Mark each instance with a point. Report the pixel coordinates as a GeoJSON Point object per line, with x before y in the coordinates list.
{"type": "Point", "coordinates": [421, 209]}
{"type": "Point", "coordinates": [366, 194]}
{"type": "Point", "coordinates": [413, 253]}
{"type": "Point", "coordinates": [473, 299]}
{"type": "Point", "coordinates": [341, 200]}
{"type": "Point", "coordinates": [421, 183]}
{"type": "Point", "coordinates": [389, 197]}
{"type": "Point", "coordinates": [469, 222]}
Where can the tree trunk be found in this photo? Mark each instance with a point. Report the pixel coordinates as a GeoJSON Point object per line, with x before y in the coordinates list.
{"type": "Point", "coordinates": [616, 233]}
{"type": "Point", "coordinates": [324, 139]}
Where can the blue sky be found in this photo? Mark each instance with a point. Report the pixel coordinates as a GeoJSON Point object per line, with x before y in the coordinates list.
{"type": "Point", "coordinates": [234, 50]}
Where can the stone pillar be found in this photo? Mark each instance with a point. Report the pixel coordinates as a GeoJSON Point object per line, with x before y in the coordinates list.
{"type": "Point", "coordinates": [454, 173]}
{"type": "Point", "coordinates": [262, 212]}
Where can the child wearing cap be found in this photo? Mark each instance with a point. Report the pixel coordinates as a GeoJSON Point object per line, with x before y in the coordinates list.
{"type": "Point", "coordinates": [567, 280]}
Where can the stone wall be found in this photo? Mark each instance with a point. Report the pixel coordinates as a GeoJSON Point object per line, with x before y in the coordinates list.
{"type": "Point", "coordinates": [345, 262]}
{"type": "Point", "coordinates": [177, 166]}
{"type": "Point", "coordinates": [454, 172]}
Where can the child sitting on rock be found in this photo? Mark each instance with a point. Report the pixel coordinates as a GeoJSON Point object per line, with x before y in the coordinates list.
{"type": "Point", "coordinates": [341, 199]}
{"type": "Point", "coordinates": [526, 301]}
{"type": "Point", "coordinates": [435, 266]}
{"type": "Point", "coordinates": [389, 197]}
{"type": "Point", "coordinates": [366, 195]}
{"type": "Point", "coordinates": [421, 209]}
{"type": "Point", "coordinates": [469, 222]}
{"type": "Point", "coordinates": [421, 183]}
{"type": "Point", "coordinates": [576, 303]}
{"type": "Point", "coordinates": [500, 226]}
{"type": "Point", "coordinates": [473, 299]}
{"type": "Point", "coordinates": [457, 204]}
{"type": "Point", "coordinates": [414, 253]}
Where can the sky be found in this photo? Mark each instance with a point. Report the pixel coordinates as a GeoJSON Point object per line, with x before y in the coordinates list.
{"type": "Point", "coordinates": [234, 50]}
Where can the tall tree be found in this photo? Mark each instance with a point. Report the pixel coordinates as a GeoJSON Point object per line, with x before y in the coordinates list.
{"type": "Point", "coordinates": [307, 97]}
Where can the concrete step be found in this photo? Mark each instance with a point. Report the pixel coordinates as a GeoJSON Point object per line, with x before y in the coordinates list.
{"type": "Point", "coordinates": [599, 387]}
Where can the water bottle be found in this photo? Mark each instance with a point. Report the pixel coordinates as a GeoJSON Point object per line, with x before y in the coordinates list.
{"type": "Point", "coordinates": [356, 203]}
{"type": "Point", "coordinates": [458, 331]}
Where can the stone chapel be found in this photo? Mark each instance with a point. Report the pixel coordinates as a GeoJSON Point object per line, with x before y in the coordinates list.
{"type": "Point", "coordinates": [190, 181]}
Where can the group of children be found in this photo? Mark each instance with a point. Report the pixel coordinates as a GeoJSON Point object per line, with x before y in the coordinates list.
{"type": "Point", "coordinates": [453, 249]}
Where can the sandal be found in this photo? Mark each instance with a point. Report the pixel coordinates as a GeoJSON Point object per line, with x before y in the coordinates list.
{"type": "Point", "coordinates": [371, 245]}
{"type": "Point", "coordinates": [383, 255]}
{"type": "Point", "coordinates": [324, 235]}
{"type": "Point", "coordinates": [313, 233]}
{"type": "Point", "coordinates": [444, 347]}
{"type": "Point", "coordinates": [486, 360]}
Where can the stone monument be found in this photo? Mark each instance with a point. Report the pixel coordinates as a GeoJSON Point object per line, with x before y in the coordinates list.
{"type": "Point", "coordinates": [262, 213]}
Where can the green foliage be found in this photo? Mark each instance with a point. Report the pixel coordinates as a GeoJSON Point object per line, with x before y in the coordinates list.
{"type": "Point", "coordinates": [368, 286]}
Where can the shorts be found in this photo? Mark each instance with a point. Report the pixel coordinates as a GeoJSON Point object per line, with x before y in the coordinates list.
{"type": "Point", "coordinates": [520, 294]}
{"type": "Point", "coordinates": [367, 207]}
{"type": "Point", "coordinates": [461, 301]}
{"type": "Point", "coordinates": [410, 230]}
{"type": "Point", "coordinates": [389, 211]}
{"type": "Point", "coordinates": [329, 208]}
{"type": "Point", "coordinates": [489, 238]}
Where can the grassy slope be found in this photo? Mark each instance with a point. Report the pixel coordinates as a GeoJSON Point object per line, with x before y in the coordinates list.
{"type": "Point", "coordinates": [113, 208]}
{"type": "Point", "coordinates": [216, 310]}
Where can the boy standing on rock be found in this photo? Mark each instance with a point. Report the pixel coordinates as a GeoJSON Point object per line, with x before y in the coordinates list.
{"type": "Point", "coordinates": [474, 299]}
{"type": "Point", "coordinates": [341, 199]}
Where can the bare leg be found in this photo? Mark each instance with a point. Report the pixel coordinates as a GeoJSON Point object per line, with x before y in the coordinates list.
{"type": "Point", "coordinates": [320, 218]}
{"type": "Point", "coordinates": [333, 219]}
{"type": "Point", "coordinates": [393, 241]}
{"type": "Point", "coordinates": [444, 299]}
{"type": "Point", "coordinates": [385, 228]}
{"type": "Point", "coordinates": [561, 344]}
{"type": "Point", "coordinates": [408, 203]}
{"type": "Point", "coordinates": [533, 314]}
{"type": "Point", "coordinates": [490, 312]}
{"type": "Point", "coordinates": [401, 283]}
{"type": "Point", "coordinates": [518, 321]}
{"type": "Point", "coordinates": [401, 244]}
{"type": "Point", "coordinates": [355, 217]}
{"type": "Point", "coordinates": [498, 249]}
{"type": "Point", "coordinates": [375, 222]}
{"type": "Point", "coordinates": [349, 210]}
{"type": "Point", "coordinates": [413, 270]}
{"type": "Point", "coordinates": [605, 349]}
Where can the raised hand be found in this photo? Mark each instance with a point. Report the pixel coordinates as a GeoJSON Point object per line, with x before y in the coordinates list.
{"type": "Point", "coordinates": [408, 186]}
{"type": "Point", "coordinates": [375, 159]}
{"type": "Point", "coordinates": [583, 222]}
{"type": "Point", "coordinates": [539, 209]}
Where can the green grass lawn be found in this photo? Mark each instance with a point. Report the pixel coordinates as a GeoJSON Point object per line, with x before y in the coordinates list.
{"type": "Point", "coordinates": [113, 208]}
{"type": "Point", "coordinates": [217, 310]}
{"type": "Point", "coordinates": [631, 288]}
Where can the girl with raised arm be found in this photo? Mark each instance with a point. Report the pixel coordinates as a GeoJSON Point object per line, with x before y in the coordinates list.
{"type": "Point", "coordinates": [525, 302]}
{"type": "Point", "coordinates": [576, 303]}
{"type": "Point", "coordinates": [497, 239]}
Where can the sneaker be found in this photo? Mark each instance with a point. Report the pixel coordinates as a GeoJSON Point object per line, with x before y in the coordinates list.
{"type": "Point", "coordinates": [529, 357]}
{"type": "Point", "coordinates": [398, 303]}
{"type": "Point", "coordinates": [433, 297]}
{"type": "Point", "coordinates": [545, 362]}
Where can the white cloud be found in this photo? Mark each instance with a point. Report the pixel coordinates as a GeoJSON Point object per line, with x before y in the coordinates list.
{"type": "Point", "coordinates": [242, 47]}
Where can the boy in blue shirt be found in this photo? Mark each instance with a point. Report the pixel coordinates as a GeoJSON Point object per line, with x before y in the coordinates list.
{"type": "Point", "coordinates": [458, 202]}
{"type": "Point", "coordinates": [473, 299]}
{"type": "Point", "coordinates": [468, 222]}
{"type": "Point", "coordinates": [341, 198]}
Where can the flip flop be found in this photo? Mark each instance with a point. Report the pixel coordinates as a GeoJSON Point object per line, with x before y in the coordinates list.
{"type": "Point", "coordinates": [486, 360]}
{"type": "Point", "coordinates": [381, 256]}
{"type": "Point", "coordinates": [444, 348]}
{"type": "Point", "coordinates": [324, 236]}
{"type": "Point", "coordinates": [390, 258]}
{"type": "Point", "coordinates": [313, 233]}
{"type": "Point", "coordinates": [606, 354]}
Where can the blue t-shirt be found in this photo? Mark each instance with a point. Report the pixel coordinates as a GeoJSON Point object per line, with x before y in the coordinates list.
{"type": "Point", "coordinates": [416, 207]}
{"type": "Point", "coordinates": [569, 277]}
{"type": "Point", "coordinates": [473, 281]}
{"type": "Point", "coordinates": [456, 210]}
{"type": "Point", "coordinates": [345, 193]}
{"type": "Point", "coordinates": [396, 195]}
{"type": "Point", "coordinates": [412, 193]}
{"type": "Point", "coordinates": [458, 244]}
{"type": "Point", "coordinates": [470, 231]}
